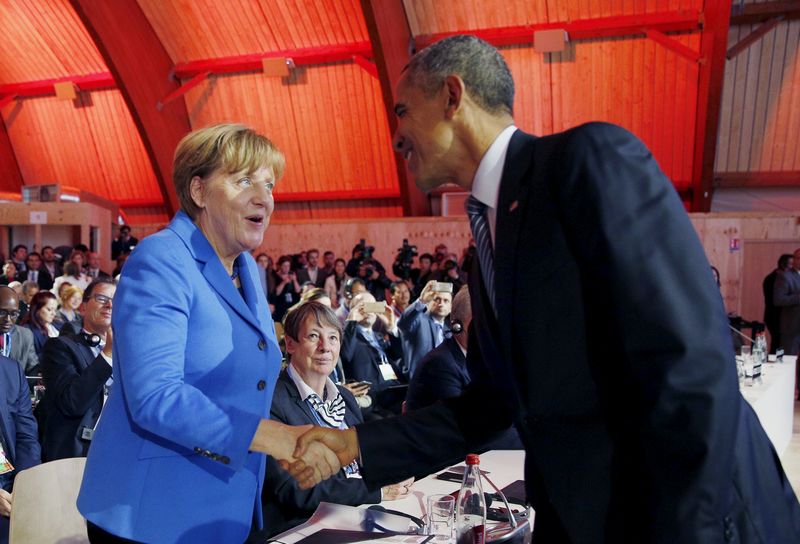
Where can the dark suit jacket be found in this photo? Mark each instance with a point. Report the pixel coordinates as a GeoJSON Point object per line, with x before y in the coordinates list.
{"type": "Point", "coordinates": [17, 424]}
{"type": "Point", "coordinates": [44, 279]}
{"type": "Point", "coordinates": [362, 362]}
{"type": "Point", "coordinates": [73, 380]}
{"type": "Point", "coordinates": [615, 365]}
{"type": "Point", "coordinates": [39, 338]}
{"type": "Point", "coordinates": [419, 335]}
{"type": "Point", "coordinates": [786, 296]}
{"type": "Point", "coordinates": [441, 374]}
{"type": "Point", "coordinates": [285, 505]}
{"type": "Point", "coordinates": [302, 277]}
{"type": "Point", "coordinates": [23, 349]}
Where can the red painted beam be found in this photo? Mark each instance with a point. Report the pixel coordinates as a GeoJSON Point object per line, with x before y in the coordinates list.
{"type": "Point", "coordinates": [139, 62]}
{"type": "Point", "coordinates": [753, 37]}
{"type": "Point", "coordinates": [253, 62]}
{"type": "Point", "coordinates": [321, 196]}
{"type": "Point", "coordinates": [713, 45]}
{"type": "Point", "coordinates": [90, 82]}
{"type": "Point", "coordinates": [367, 65]}
{"type": "Point", "coordinates": [749, 14]}
{"type": "Point", "coordinates": [183, 89]}
{"type": "Point", "coordinates": [139, 202]}
{"type": "Point", "coordinates": [391, 39]}
{"type": "Point", "coordinates": [10, 174]}
{"type": "Point", "coordinates": [6, 100]}
{"type": "Point", "coordinates": [673, 45]}
{"type": "Point", "coordinates": [581, 29]}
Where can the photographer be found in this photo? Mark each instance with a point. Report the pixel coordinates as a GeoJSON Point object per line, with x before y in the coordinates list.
{"type": "Point", "coordinates": [287, 290]}
{"type": "Point", "coordinates": [426, 273]}
{"type": "Point", "coordinates": [369, 270]}
{"type": "Point", "coordinates": [404, 262]}
{"type": "Point", "coordinates": [449, 273]}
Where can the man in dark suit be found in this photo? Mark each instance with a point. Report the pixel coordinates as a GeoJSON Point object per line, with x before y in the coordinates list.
{"type": "Point", "coordinates": [51, 262]}
{"type": "Point", "coordinates": [312, 272]}
{"type": "Point", "coordinates": [772, 313]}
{"type": "Point", "coordinates": [93, 270]}
{"type": "Point", "coordinates": [18, 434]}
{"type": "Point", "coordinates": [77, 371]}
{"type": "Point", "coordinates": [597, 329]}
{"type": "Point", "coordinates": [16, 342]}
{"type": "Point", "coordinates": [124, 242]}
{"type": "Point", "coordinates": [369, 357]}
{"type": "Point", "coordinates": [787, 297]}
{"type": "Point", "coordinates": [422, 324]}
{"type": "Point", "coordinates": [36, 272]}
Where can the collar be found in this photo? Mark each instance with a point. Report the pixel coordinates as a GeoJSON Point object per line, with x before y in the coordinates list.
{"type": "Point", "coordinates": [366, 331]}
{"type": "Point", "coordinates": [486, 183]}
{"type": "Point", "coordinates": [305, 391]}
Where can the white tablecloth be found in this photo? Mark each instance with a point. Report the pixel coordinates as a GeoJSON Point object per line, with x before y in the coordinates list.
{"type": "Point", "coordinates": [773, 401]}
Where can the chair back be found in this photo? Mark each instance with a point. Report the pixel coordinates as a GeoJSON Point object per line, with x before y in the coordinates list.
{"type": "Point", "coordinates": [43, 508]}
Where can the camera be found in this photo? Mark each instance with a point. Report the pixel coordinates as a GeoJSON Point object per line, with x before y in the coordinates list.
{"type": "Point", "coordinates": [404, 260]}
{"type": "Point", "coordinates": [363, 252]}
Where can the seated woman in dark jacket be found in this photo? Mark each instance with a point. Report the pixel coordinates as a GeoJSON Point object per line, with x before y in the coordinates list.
{"type": "Point", "coordinates": [305, 394]}
{"type": "Point", "coordinates": [40, 317]}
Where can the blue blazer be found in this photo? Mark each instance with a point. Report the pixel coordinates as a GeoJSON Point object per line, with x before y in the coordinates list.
{"type": "Point", "coordinates": [441, 374]}
{"type": "Point", "coordinates": [195, 365]}
{"type": "Point", "coordinates": [419, 335]}
{"type": "Point", "coordinates": [20, 435]}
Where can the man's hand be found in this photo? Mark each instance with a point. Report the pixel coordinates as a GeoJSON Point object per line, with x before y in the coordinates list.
{"type": "Point", "coordinates": [276, 439]}
{"type": "Point", "coordinates": [426, 296]}
{"type": "Point", "coordinates": [344, 444]}
{"type": "Point", "coordinates": [396, 491]}
{"type": "Point", "coordinates": [5, 503]}
{"type": "Point", "coordinates": [388, 318]}
{"type": "Point", "coordinates": [357, 313]}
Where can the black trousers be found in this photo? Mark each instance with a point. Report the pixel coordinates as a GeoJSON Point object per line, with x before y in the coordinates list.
{"type": "Point", "coordinates": [101, 536]}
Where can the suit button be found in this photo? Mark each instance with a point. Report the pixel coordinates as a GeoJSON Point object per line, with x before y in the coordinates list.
{"type": "Point", "coordinates": [262, 344]}
{"type": "Point", "coordinates": [728, 534]}
{"type": "Point", "coordinates": [261, 385]}
{"type": "Point", "coordinates": [198, 450]}
{"type": "Point", "coordinates": [207, 453]}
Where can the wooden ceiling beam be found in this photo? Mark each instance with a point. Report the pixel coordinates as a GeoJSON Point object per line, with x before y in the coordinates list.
{"type": "Point", "coordinates": [713, 47]}
{"type": "Point", "coordinates": [750, 14]}
{"type": "Point", "coordinates": [10, 174]}
{"type": "Point", "coordinates": [753, 180]}
{"type": "Point", "coordinates": [139, 63]}
{"type": "Point", "coordinates": [753, 37]}
{"type": "Point", "coordinates": [392, 41]}
{"type": "Point", "coordinates": [46, 87]}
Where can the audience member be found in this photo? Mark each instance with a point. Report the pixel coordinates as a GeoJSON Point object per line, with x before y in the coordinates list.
{"type": "Point", "coordinates": [312, 272]}
{"type": "Point", "coordinates": [29, 289]}
{"type": "Point", "coordinates": [36, 272]}
{"type": "Point", "coordinates": [19, 444]}
{"type": "Point", "coordinates": [9, 273]}
{"type": "Point", "coordinates": [369, 357]}
{"type": "Point", "coordinates": [93, 268]}
{"type": "Point", "coordinates": [121, 258]}
{"type": "Point", "coordinates": [16, 342]}
{"type": "Point", "coordinates": [422, 324]}
{"type": "Point", "coordinates": [350, 288]}
{"type": "Point", "coordinates": [787, 297]}
{"type": "Point", "coordinates": [124, 243]}
{"type": "Point", "coordinates": [68, 315]}
{"type": "Point", "coordinates": [287, 290]}
{"type": "Point", "coordinates": [426, 274]}
{"type": "Point", "coordinates": [401, 297]}
{"type": "Point", "coordinates": [772, 313]}
{"type": "Point", "coordinates": [372, 273]}
{"type": "Point", "coordinates": [77, 375]}
{"type": "Point", "coordinates": [449, 273]}
{"type": "Point", "coordinates": [51, 262]}
{"type": "Point", "coordinates": [334, 282]}
{"type": "Point", "coordinates": [18, 256]}
{"type": "Point", "coordinates": [305, 395]}
{"type": "Point", "coordinates": [72, 275]}
{"type": "Point", "coordinates": [40, 317]}
{"type": "Point", "coordinates": [328, 261]}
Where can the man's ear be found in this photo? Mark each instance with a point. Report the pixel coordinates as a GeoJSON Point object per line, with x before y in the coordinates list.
{"type": "Point", "coordinates": [454, 87]}
{"type": "Point", "coordinates": [197, 192]}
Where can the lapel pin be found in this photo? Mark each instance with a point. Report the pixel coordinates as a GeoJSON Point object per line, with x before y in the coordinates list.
{"type": "Point", "coordinates": [514, 206]}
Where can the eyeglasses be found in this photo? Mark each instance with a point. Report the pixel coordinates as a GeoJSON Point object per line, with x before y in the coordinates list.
{"type": "Point", "coordinates": [4, 314]}
{"type": "Point", "coordinates": [102, 299]}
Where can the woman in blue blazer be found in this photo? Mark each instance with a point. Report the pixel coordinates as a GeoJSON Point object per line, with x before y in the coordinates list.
{"type": "Point", "coordinates": [178, 454]}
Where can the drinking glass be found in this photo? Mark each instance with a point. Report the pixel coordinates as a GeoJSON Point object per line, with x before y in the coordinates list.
{"type": "Point", "coordinates": [441, 510]}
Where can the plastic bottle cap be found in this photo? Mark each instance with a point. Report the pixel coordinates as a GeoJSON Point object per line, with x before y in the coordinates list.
{"type": "Point", "coordinates": [473, 459]}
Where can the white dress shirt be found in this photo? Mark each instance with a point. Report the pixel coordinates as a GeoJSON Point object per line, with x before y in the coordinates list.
{"type": "Point", "coordinates": [486, 183]}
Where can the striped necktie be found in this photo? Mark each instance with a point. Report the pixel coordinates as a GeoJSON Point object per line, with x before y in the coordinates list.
{"type": "Point", "coordinates": [476, 210]}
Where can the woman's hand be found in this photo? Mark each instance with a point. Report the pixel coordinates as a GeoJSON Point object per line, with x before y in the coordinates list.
{"type": "Point", "coordinates": [397, 491]}
{"type": "Point", "coordinates": [280, 441]}
{"type": "Point", "coordinates": [358, 389]}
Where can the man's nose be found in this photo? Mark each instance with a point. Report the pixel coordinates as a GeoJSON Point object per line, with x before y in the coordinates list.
{"type": "Point", "coordinates": [398, 142]}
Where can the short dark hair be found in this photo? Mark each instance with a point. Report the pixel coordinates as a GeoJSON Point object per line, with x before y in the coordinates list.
{"type": "Point", "coordinates": [284, 259]}
{"type": "Point", "coordinates": [329, 252]}
{"type": "Point", "coordinates": [87, 294]}
{"type": "Point", "coordinates": [313, 250]}
{"type": "Point", "coordinates": [125, 227]}
{"type": "Point", "coordinates": [783, 260]}
{"type": "Point", "coordinates": [394, 286]}
{"type": "Point", "coordinates": [18, 247]}
{"type": "Point", "coordinates": [33, 254]}
{"type": "Point", "coordinates": [483, 69]}
{"type": "Point", "coordinates": [323, 315]}
{"type": "Point", "coordinates": [426, 256]}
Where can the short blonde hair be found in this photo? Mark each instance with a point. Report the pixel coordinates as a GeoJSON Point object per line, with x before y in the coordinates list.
{"type": "Point", "coordinates": [67, 292]}
{"type": "Point", "coordinates": [227, 147]}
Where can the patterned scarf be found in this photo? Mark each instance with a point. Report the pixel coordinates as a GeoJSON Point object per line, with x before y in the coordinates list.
{"type": "Point", "coordinates": [331, 410]}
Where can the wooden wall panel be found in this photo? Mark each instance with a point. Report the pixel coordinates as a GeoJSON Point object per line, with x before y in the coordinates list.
{"type": "Point", "coordinates": [760, 119]}
{"type": "Point", "coordinates": [91, 145]}
{"type": "Point", "coordinates": [211, 29]}
{"type": "Point", "coordinates": [329, 120]}
{"type": "Point", "coordinates": [44, 39]}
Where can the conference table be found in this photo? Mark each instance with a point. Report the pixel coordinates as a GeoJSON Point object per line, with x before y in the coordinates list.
{"type": "Point", "coordinates": [773, 400]}
{"type": "Point", "coordinates": [503, 467]}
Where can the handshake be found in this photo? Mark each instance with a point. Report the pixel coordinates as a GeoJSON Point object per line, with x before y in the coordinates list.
{"type": "Point", "coordinates": [310, 454]}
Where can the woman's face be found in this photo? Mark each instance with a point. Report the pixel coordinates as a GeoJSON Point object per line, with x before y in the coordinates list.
{"type": "Point", "coordinates": [10, 270]}
{"type": "Point", "coordinates": [339, 268]}
{"type": "Point", "coordinates": [77, 258]}
{"type": "Point", "coordinates": [235, 209]}
{"type": "Point", "coordinates": [47, 313]}
{"type": "Point", "coordinates": [316, 350]}
{"type": "Point", "coordinates": [285, 267]}
{"type": "Point", "coordinates": [74, 301]}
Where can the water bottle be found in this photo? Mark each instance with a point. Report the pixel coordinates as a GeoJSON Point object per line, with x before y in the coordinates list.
{"type": "Point", "coordinates": [471, 510]}
{"type": "Point", "coordinates": [761, 344]}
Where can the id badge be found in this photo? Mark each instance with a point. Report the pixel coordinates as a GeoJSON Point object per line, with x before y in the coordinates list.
{"type": "Point", "coordinates": [387, 371]}
{"type": "Point", "coordinates": [5, 464]}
